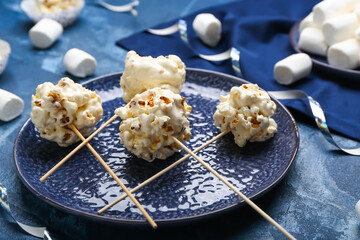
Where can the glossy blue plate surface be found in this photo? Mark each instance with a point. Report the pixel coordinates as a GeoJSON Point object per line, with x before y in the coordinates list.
{"type": "Point", "coordinates": [320, 61]}
{"type": "Point", "coordinates": [82, 186]}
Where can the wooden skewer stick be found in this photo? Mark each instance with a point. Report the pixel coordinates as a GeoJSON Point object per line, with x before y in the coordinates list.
{"type": "Point", "coordinates": [247, 200]}
{"type": "Point", "coordinates": [162, 172]}
{"type": "Point", "coordinates": [52, 170]}
{"type": "Point", "coordinates": [138, 205]}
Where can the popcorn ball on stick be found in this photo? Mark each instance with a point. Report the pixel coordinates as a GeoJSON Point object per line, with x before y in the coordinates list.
{"type": "Point", "coordinates": [54, 107]}
{"type": "Point", "coordinates": [149, 120]}
{"type": "Point", "coordinates": [247, 111]}
{"type": "Point", "coordinates": [59, 111]}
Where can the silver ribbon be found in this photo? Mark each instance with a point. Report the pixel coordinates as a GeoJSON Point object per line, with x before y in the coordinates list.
{"type": "Point", "coordinates": [318, 114]}
{"type": "Point", "coordinates": [39, 232]}
{"type": "Point", "coordinates": [130, 7]}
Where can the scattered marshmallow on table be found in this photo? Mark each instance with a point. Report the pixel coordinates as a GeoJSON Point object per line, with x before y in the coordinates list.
{"type": "Point", "coordinates": [79, 63]}
{"type": "Point", "coordinates": [292, 68]}
{"type": "Point", "coordinates": [357, 209]}
{"type": "Point", "coordinates": [11, 106]}
{"type": "Point", "coordinates": [44, 33]}
{"type": "Point", "coordinates": [344, 54]}
{"type": "Point", "coordinates": [340, 28]}
{"type": "Point", "coordinates": [312, 40]}
{"type": "Point", "coordinates": [5, 50]}
{"type": "Point", "coordinates": [208, 28]}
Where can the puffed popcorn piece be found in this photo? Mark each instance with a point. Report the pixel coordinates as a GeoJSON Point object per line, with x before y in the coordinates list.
{"type": "Point", "coordinates": [292, 68]}
{"type": "Point", "coordinates": [11, 106]}
{"type": "Point", "coordinates": [54, 107]}
{"type": "Point", "coordinates": [357, 209]}
{"type": "Point", "coordinates": [344, 54]}
{"type": "Point", "coordinates": [44, 33]}
{"type": "Point", "coordinates": [340, 28]}
{"type": "Point", "coordinates": [79, 63]}
{"type": "Point", "coordinates": [329, 9]}
{"type": "Point", "coordinates": [247, 111]}
{"type": "Point", "coordinates": [308, 21]}
{"type": "Point", "coordinates": [143, 73]}
{"type": "Point", "coordinates": [208, 28]}
{"type": "Point", "coordinates": [312, 41]}
{"type": "Point", "coordinates": [149, 119]}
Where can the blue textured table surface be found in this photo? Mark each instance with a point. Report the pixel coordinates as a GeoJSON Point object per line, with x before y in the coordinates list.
{"type": "Point", "coordinates": [315, 200]}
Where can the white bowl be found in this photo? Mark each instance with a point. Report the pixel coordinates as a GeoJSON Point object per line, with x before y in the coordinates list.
{"type": "Point", "coordinates": [65, 17]}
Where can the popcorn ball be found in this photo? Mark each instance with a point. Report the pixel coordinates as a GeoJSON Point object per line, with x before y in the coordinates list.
{"type": "Point", "coordinates": [54, 107]}
{"type": "Point", "coordinates": [143, 73]}
{"type": "Point", "coordinates": [247, 111]}
{"type": "Point", "coordinates": [149, 119]}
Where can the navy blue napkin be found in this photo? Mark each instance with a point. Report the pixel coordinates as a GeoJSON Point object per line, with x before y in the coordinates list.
{"type": "Point", "coordinates": [260, 30]}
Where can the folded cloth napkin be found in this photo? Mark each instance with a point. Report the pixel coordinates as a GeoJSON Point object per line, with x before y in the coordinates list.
{"type": "Point", "coordinates": [260, 30]}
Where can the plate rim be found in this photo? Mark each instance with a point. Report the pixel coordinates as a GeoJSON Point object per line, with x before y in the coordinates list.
{"type": "Point", "coordinates": [172, 221]}
{"type": "Point", "coordinates": [294, 31]}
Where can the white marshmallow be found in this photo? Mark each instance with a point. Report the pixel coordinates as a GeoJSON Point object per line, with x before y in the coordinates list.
{"type": "Point", "coordinates": [11, 105]}
{"type": "Point", "coordinates": [79, 63]}
{"type": "Point", "coordinates": [312, 41]}
{"type": "Point", "coordinates": [292, 68]}
{"type": "Point", "coordinates": [340, 28]}
{"type": "Point", "coordinates": [357, 10]}
{"type": "Point", "coordinates": [344, 54]}
{"type": "Point", "coordinates": [357, 33]}
{"type": "Point", "coordinates": [357, 208]}
{"type": "Point", "coordinates": [352, 4]}
{"type": "Point", "coordinates": [45, 33]}
{"type": "Point", "coordinates": [329, 9]}
{"type": "Point", "coordinates": [207, 28]}
{"type": "Point", "coordinates": [308, 21]}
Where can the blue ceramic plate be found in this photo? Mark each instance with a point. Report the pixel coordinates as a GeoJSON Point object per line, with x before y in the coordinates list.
{"type": "Point", "coordinates": [320, 61]}
{"type": "Point", "coordinates": [82, 186]}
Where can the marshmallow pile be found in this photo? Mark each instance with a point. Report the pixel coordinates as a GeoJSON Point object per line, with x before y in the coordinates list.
{"type": "Point", "coordinates": [247, 111]}
{"type": "Point", "coordinates": [155, 110]}
{"type": "Point", "coordinates": [332, 30]}
{"type": "Point", "coordinates": [143, 73]}
{"type": "Point", "coordinates": [54, 107]}
{"type": "Point", "coordinates": [149, 119]}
